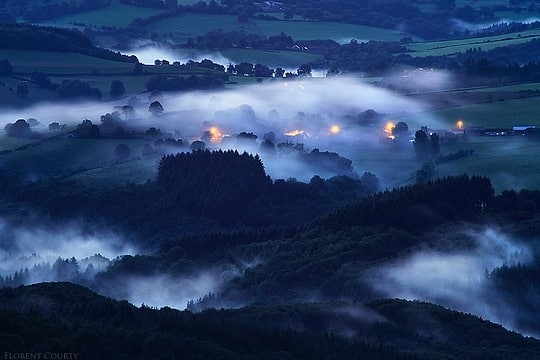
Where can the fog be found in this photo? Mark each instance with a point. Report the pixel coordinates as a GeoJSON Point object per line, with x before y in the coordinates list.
{"type": "Point", "coordinates": [458, 280]}
{"type": "Point", "coordinates": [38, 247]}
{"type": "Point", "coordinates": [309, 107]}
{"type": "Point", "coordinates": [161, 290]}
{"type": "Point", "coordinates": [149, 53]}
{"type": "Point", "coordinates": [463, 25]}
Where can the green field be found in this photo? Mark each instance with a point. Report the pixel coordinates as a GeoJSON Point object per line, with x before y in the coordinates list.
{"type": "Point", "coordinates": [62, 156]}
{"type": "Point", "coordinates": [184, 26]}
{"type": "Point", "coordinates": [499, 114]}
{"type": "Point", "coordinates": [137, 171]}
{"type": "Point", "coordinates": [118, 15]}
{"type": "Point", "coordinates": [515, 87]}
{"type": "Point", "coordinates": [25, 61]}
{"type": "Point", "coordinates": [274, 58]}
{"type": "Point", "coordinates": [509, 161]}
{"type": "Point", "coordinates": [438, 48]}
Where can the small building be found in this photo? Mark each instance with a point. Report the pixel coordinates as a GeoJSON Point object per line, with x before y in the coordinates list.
{"type": "Point", "coordinates": [521, 129]}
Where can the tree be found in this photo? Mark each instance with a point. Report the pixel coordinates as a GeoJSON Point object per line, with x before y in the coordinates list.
{"type": "Point", "coordinates": [33, 122]}
{"type": "Point", "coordinates": [70, 89]}
{"type": "Point", "coordinates": [117, 89]}
{"type": "Point", "coordinates": [279, 73]}
{"type": "Point", "coordinates": [156, 108]}
{"type": "Point", "coordinates": [54, 126]}
{"type": "Point", "coordinates": [400, 130]}
{"type": "Point", "coordinates": [304, 70]}
{"type": "Point", "coordinates": [87, 130]}
{"type": "Point", "coordinates": [244, 68]}
{"type": "Point", "coordinates": [262, 71]}
{"type": "Point", "coordinates": [197, 145]}
{"type": "Point", "coordinates": [19, 129]}
{"type": "Point", "coordinates": [421, 144]}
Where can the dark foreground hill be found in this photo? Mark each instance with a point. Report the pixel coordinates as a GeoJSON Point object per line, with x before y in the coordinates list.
{"type": "Point", "coordinates": [66, 318]}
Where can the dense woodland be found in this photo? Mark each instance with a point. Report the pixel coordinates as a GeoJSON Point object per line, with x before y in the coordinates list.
{"type": "Point", "coordinates": [22, 36]}
{"type": "Point", "coordinates": [67, 318]}
{"type": "Point", "coordinates": [327, 250]}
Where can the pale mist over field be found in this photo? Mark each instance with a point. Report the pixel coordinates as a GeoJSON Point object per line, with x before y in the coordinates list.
{"type": "Point", "coordinates": [458, 279]}
{"type": "Point", "coordinates": [321, 113]}
{"type": "Point", "coordinates": [37, 244]}
{"type": "Point", "coordinates": [149, 53]}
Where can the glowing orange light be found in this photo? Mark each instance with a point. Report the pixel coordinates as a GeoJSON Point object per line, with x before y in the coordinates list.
{"type": "Point", "coordinates": [389, 127]}
{"type": "Point", "coordinates": [294, 132]}
{"type": "Point", "coordinates": [216, 134]}
{"type": "Point", "coordinates": [460, 124]}
{"type": "Point", "coordinates": [335, 129]}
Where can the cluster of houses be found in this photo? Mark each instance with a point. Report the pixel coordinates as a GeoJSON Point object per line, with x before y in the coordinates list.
{"type": "Point", "coordinates": [463, 131]}
{"type": "Point", "coordinates": [270, 6]}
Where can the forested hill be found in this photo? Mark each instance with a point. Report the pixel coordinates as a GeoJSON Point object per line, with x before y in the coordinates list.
{"type": "Point", "coordinates": [31, 37]}
{"type": "Point", "coordinates": [48, 316]}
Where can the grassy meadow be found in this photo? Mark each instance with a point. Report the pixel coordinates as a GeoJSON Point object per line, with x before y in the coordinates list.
{"type": "Point", "coordinates": [438, 48]}
{"type": "Point", "coordinates": [184, 26]}
{"type": "Point", "coordinates": [273, 58]}
{"type": "Point", "coordinates": [118, 15]}
{"type": "Point", "coordinates": [50, 62]}
{"type": "Point", "coordinates": [498, 114]}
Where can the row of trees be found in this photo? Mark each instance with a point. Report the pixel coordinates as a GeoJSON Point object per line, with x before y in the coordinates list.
{"type": "Point", "coordinates": [24, 36]}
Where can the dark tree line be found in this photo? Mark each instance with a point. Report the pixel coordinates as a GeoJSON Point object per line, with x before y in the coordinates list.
{"type": "Point", "coordinates": [418, 206]}
{"type": "Point", "coordinates": [24, 36]}
{"type": "Point", "coordinates": [35, 11]}
{"type": "Point", "coordinates": [180, 83]}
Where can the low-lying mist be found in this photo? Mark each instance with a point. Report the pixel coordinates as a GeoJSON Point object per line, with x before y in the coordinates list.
{"type": "Point", "coordinates": [459, 280]}
{"type": "Point", "coordinates": [38, 247]}
{"type": "Point", "coordinates": [320, 113]}
{"type": "Point", "coordinates": [147, 54]}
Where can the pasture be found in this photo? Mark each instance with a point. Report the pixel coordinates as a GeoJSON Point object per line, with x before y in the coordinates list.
{"type": "Point", "coordinates": [439, 48]}
{"type": "Point", "coordinates": [509, 161]}
{"type": "Point", "coordinates": [273, 58]}
{"type": "Point", "coordinates": [64, 156]}
{"type": "Point", "coordinates": [180, 28]}
{"type": "Point", "coordinates": [118, 15]}
{"type": "Point", "coordinates": [499, 114]}
{"type": "Point", "coordinates": [50, 62]}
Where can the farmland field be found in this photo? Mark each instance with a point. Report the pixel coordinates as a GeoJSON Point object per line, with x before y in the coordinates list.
{"type": "Point", "coordinates": [118, 15]}
{"type": "Point", "coordinates": [62, 156]}
{"type": "Point", "coordinates": [25, 61]}
{"type": "Point", "coordinates": [438, 48]}
{"type": "Point", "coordinates": [183, 26]}
{"type": "Point", "coordinates": [502, 114]}
{"type": "Point", "coordinates": [509, 161]}
{"type": "Point", "coordinates": [289, 59]}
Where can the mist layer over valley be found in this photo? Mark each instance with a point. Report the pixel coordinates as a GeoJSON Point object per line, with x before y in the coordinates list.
{"type": "Point", "coordinates": [269, 180]}
{"type": "Point", "coordinates": [319, 125]}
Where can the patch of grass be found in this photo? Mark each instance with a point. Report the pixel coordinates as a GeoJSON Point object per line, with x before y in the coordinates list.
{"type": "Point", "coordinates": [438, 48]}
{"type": "Point", "coordinates": [9, 98]}
{"type": "Point", "coordinates": [118, 15]}
{"type": "Point", "coordinates": [499, 114]}
{"type": "Point", "coordinates": [133, 171]}
{"type": "Point", "coordinates": [285, 59]}
{"type": "Point", "coordinates": [509, 161]}
{"type": "Point", "coordinates": [515, 87]}
{"type": "Point", "coordinates": [50, 62]}
{"type": "Point", "coordinates": [184, 26]}
{"type": "Point", "coordinates": [63, 156]}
